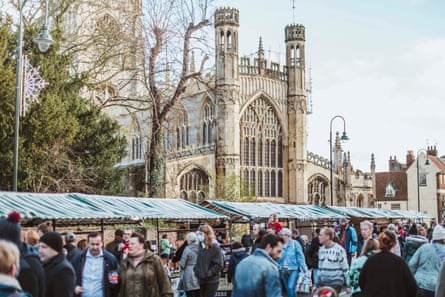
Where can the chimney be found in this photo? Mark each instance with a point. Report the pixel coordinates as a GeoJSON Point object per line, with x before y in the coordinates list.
{"type": "Point", "coordinates": [432, 151]}
{"type": "Point", "coordinates": [410, 158]}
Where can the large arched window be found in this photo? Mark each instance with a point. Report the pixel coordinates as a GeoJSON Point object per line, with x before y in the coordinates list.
{"type": "Point", "coordinates": [262, 156]}
{"type": "Point", "coordinates": [317, 190]}
{"type": "Point", "coordinates": [194, 185]}
{"type": "Point", "coordinates": [208, 122]}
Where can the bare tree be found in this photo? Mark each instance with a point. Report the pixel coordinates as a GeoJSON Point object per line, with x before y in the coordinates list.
{"type": "Point", "coordinates": [172, 30]}
{"type": "Point", "coordinates": [152, 49]}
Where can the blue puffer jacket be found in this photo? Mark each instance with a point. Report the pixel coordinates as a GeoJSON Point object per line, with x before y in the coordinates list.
{"type": "Point", "coordinates": [425, 265]}
{"type": "Point", "coordinates": [257, 276]}
{"type": "Point", "coordinates": [292, 256]}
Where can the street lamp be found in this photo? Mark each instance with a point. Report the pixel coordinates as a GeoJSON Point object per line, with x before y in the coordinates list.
{"type": "Point", "coordinates": [344, 137]}
{"type": "Point", "coordinates": [44, 41]}
{"type": "Point", "coordinates": [427, 162]}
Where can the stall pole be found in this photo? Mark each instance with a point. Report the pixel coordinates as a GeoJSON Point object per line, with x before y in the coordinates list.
{"type": "Point", "coordinates": [157, 236]}
{"type": "Point", "coordinates": [102, 228]}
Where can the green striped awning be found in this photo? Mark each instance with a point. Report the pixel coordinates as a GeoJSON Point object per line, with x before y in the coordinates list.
{"type": "Point", "coordinates": [78, 209]}
{"type": "Point", "coordinates": [246, 211]}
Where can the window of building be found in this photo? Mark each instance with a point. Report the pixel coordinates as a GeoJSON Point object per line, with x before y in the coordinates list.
{"type": "Point", "coordinates": [177, 129]}
{"type": "Point", "coordinates": [194, 185]}
{"type": "Point", "coordinates": [208, 123]}
{"type": "Point", "coordinates": [261, 149]}
{"type": "Point", "coordinates": [422, 179]}
{"type": "Point", "coordinates": [105, 94]}
{"type": "Point", "coordinates": [390, 191]}
{"type": "Point", "coordinates": [317, 190]}
{"type": "Point", "coordinates": [395, 206]}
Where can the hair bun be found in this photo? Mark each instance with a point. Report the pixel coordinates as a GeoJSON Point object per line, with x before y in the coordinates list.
{"type": "Point", "coordinates": [14, 217]}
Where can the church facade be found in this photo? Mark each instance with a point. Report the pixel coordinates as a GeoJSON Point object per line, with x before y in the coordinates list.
{"type": "Point", "coordinates": [249, 129]}
{"type": "Point", "coordinates": [242, 133]}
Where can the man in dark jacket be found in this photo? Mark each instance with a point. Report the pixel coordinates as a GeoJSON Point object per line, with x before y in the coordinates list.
{"type": "Point", "coordinates": [238, 253]}
{"type": "Point", "coordinates": [59, 274]}
{"type": "Point", "coordinates": [70, 247]}
{"type": "Point", "coordinates": [30, 275]}
{"type": "Point", "coordinates": [95, 258]}
{"type": "Point", "coordinates": [112, 246]}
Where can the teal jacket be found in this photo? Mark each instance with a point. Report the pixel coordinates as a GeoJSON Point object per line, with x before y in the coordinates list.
{"type": "Point", "coordinates": [354, 272]}
{"type": "Point", "coordinates": [425, 265]}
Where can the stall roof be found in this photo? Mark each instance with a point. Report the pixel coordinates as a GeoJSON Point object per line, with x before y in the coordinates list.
{"type": "Point", "coordinates": [79, 209]}
{"type": "Point", "coordinates": [378, 213]}
{"type": "Point", "coordinates": [246, 211]}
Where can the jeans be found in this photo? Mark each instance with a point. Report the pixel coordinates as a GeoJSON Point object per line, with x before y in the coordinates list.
{"type": "Point", "coordinates": [289, 280]}
{"type": "Point", "coordinates": [314, 275]}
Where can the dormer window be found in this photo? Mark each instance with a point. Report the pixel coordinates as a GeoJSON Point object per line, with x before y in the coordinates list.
{"type": "Point", "coordinates": [390, 191]}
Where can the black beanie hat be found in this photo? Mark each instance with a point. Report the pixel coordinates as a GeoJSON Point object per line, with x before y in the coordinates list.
{"type": "Point", "coordinates": [53, 240]}
{"type": "Point", "coordinates": [10, 228]}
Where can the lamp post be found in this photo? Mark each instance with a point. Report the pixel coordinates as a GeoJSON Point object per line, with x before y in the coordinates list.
{"type": "Point", "coordinates": [343, 137]}
{"type": "Point", "coordinates": [43, 41]}
{"type": "Point", "coordinates": [427, 162]}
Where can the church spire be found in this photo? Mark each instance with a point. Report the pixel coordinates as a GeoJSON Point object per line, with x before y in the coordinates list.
{"type": "Point", "coordinates": [260, 48]}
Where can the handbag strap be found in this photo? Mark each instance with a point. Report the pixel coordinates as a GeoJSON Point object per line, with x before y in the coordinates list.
{"type": "Point", "coordinates": [439, 252]}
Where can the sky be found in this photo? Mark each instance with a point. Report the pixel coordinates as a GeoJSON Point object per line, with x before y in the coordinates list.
{"type": "Point", "coordinates": [378, 63]}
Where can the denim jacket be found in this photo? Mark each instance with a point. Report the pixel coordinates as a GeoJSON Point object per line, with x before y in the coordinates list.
{"type": "Point", "coordinates": [292, 257]}
{"type": "Point", "coordinates": [257, 276]}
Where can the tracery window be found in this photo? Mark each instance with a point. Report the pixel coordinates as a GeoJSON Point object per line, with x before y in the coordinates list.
{"type": "Point", "coordinates": [208, 124]}
{"type": "Point", "coordinates": [136, 143]}
{"type": "Point", "coordinates": [317, 190]}
{"type": "Point", "coordinates": [261, 145]}
{"type": "Point", "coordinates": [105, 94]}
{"type": "Point", "coordinates": [194, 185]}
{"type": "Point", "coordinates": [177, 130]}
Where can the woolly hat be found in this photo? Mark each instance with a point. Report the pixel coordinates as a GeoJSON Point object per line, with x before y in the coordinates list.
{"type": "Point", "coordinates": [286, 231]}
{"type": "Point", "coordinates": [70, 237]}
{"type": "Point", "coordinates": [10, 228]}
{"type": "Point", "coordinates": [438, 233]}
{"type": "Point", "coordinates": [53, 240]}
{"type": "Point", "coordinates": [191, 236]}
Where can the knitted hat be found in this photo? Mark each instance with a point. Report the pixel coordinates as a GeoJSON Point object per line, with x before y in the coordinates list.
{"type": "Point", "coordinates": [438, 233]}
{"type": "Point", "coordinates": [70, 237]}
{"type": "Point", "coordinates": [10, 228]}
{"type": "Point", "coordinates": [286, 231]}
{"type": "Point", "coordinates": [191, 236]}
{"type": "Point", "coordinates": [53, 240]}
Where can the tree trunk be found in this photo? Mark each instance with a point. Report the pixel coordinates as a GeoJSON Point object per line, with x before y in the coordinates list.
{"type": "Point", "coordinates": [154, 186]}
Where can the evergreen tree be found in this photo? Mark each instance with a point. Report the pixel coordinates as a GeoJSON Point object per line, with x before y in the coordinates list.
{"type": "Point", "coordinates": [66, 143]}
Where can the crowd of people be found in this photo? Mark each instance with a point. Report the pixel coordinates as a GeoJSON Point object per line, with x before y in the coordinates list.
{"type": "Point", "coordinates": [395, 260]}
{"type": "Point", "coordinates": [271, 261]}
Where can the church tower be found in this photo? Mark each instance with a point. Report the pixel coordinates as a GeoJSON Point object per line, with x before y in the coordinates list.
{"type": "Point", "coordinates": [227, 93]}
{"type": "Point", "coordinates": [297, 110]}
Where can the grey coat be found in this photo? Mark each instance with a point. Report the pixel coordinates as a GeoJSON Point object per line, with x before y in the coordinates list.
{"type": "Point", "coordinates": [187, 263]}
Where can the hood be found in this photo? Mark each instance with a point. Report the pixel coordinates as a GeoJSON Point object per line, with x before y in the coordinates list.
{"type": "Point", "coordinates": [9, 281]}
{"type": "Point", "coordinates": [240, 254]}
{"type": "Point", "coordinates": [194, 247]}
{"type": "Point", "coordinates": [416, 239]}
